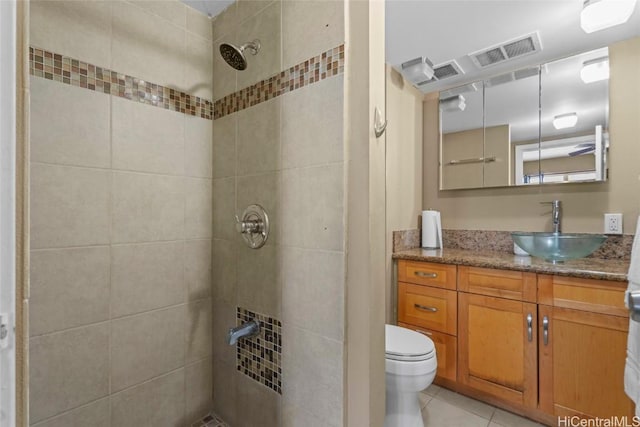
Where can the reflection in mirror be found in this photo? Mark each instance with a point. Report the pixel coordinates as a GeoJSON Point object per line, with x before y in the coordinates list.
{"type": "Point", "coordinates": [574, 120]}
{"type": "Point", "coordinates": [462, 137]}
{"type": "Point", "coordinates": [511, 119]}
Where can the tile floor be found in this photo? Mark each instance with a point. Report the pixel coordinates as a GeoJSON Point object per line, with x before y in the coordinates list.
{"type": "Point", "coordinates": [445, 408]}
{"type": "Point", "coordinates": [210, 420]}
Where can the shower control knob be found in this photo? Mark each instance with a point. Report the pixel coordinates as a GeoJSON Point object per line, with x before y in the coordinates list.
{"type": "Point", "coordinates": [253, 226]}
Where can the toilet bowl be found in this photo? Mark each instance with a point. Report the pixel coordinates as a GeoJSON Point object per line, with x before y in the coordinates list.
{"type": "Point", "coordinates": [410, 364]}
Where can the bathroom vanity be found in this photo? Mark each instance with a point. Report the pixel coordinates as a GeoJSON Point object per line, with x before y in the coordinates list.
{"type": "Point", "coordinates": [538, 339]}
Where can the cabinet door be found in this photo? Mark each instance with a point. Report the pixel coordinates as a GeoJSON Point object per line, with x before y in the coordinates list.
{"type": "Point", "coordinates": [582, 363]}
{"type": "Point", "coordinates": [445, 351]}
{"type": "Point", "coordinates": [497, 348]}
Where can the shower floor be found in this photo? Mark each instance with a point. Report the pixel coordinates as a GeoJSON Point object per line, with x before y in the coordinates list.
{"type": "Point", "coordinates": [210, 420]}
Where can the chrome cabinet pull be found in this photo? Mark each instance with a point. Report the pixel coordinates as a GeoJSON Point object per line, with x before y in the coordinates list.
{"type": "Point", "coordinates": [426, 274]}
{"type": "Point", "coordinates": [545, 330]}
{"type": "Point", "coordinates": [530, 327]}
{"type": "Point", "coordinates": [425, 308]}
{"type": "Point", "coordinates": [633, 301]}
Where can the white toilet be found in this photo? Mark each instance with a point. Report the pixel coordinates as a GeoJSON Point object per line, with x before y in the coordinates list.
{"type": "Point", "coordinates": [410, 368]}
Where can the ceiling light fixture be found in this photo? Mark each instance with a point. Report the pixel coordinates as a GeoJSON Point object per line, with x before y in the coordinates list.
{"type": "Point", "coordinates": [564, 121]}
{"type": "Point", "coordinates": [595, 70]}
{"type": "Point", "coordinates": [453, 104]}
{"type": "Point", "coordinates": [597, 15]}
{"type": "Point", "coordinates": [418, 70]}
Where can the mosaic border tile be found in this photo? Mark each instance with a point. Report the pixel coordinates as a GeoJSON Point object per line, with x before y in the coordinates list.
{"type": "Point", "coordinates": [67, 70]}
{"type": "Point", "coordinates": [320, 67]}
{"type": "Point", "coordinates": [210, 420]}
{"type": "Point", "coordinates": [260, 357]}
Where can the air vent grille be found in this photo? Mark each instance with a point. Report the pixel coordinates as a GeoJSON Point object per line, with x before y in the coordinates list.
{"type": "Point", "coordinates": [444, 71]}
{"type": "Point", "coordinates": [471, 87]}
{"type": "Point", "coordinates": [525, 45]}
{"type": "Point", "coordinates": [509, 77]}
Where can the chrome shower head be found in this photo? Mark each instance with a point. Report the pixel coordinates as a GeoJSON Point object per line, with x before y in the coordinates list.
{"type": "Point", "coordinates": [234, 55]}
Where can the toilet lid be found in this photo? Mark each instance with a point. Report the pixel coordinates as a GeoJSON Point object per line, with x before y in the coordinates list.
{"type": "Point", "coordinates": [407, 345]}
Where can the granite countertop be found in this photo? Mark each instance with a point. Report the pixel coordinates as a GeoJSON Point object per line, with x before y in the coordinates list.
{"type": "Point", "coordinates": [588, 268]}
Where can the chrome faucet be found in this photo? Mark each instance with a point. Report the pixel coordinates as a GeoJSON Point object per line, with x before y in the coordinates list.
{"type": "Point", "coordinates": [246, 330]}
{"type": "Point", "coordinates": [556, 215]}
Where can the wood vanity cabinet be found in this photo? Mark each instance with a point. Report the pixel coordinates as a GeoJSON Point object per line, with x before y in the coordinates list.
{"type": "Point", "coordinates": [583, 327]}
{"type": "Point", "coordinates": [497, 334]}
{"type": "Point", "coordinates": [542, 345]}
{"type": "Point", "coordinates": [427, 303]}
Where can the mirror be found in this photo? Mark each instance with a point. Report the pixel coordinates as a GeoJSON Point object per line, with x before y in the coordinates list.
{"type": "Point", "coordinates": [500, 132]}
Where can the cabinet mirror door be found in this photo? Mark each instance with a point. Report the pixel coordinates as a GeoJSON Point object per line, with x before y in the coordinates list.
{"type": "Point", "coordinates": [511, 119]}
{"type": "Point", "coordinates": [462, 137]}
{"type": "Point", "coordinates": [574, 118]}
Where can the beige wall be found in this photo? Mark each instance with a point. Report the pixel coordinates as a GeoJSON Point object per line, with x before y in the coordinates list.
{"type": "Point", "coordinates": [120, 321]}
{"type": "Point", "coordinates": [583, 204]}
{"type": "Point", "coordinates": [403, 168]}
{"type": "Point", "coordinates": [286, 154]}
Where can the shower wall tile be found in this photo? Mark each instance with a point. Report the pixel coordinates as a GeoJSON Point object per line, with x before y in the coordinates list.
{"type": "Point", "coordinates": [248, 8]}
{"type": "Point", "coordinates": [94, 414]}
{"type": "Point", "coordinates": [199, 386]}
{"type": "Point", "coordinates": [224, 208]}
{"type": "Point", "coordinates": [259, 283]}
{"type": "Point", "coordinates": [224, 266]}
{"type": "Point", "coordinates": [199, 23]}
{"type": "Point", "coordinates": [147, 207]}
{"type": "Point", "coordinates": [293, 416]}
{"type": "Point", "coordinates": [304, 355]}
{"type": "Point", "coordinates": [313, 291]}
{"type": "Point", "coordinates": [54, 141]}
{"type": "Point", "coordinates": [313, 207]}
{"type": "Point", "coordinates": [198, 208]}
{"type": "Point", "coordinates": [197, 268]}
{"type": "Point", "coordinates": [55, 25]}
{"type": "Point", "coordinates": [224, 146]}
{"type": "Point", "coordinates": [259, 138]}
{"type": "Point", "coordinates": [313, 130]}
{"type": "Point", "coordinates": [146, 276]}
{"type": "Point", "coordinates": [225, 387]}
{"type": "Point", "coordinates": [309, 27]}
{"type": "Point", "coordinates": [266, 27]}
{"type": "Point", "coordinates": [263, 190]}
{"type": "Point", "coordinates": [69, 206]}
{"type": "Point", "coordinates": [147, 139]}
{"type": "Point", "coordinates": [198, 65]}
{"type": "Point", "coordinates": [67, 370]}
{"type": "Point", "coordinates": [198, 330]}
{"type": "Point", "coordinates": [174, 12]}
{"type": "Point", "coordinates": [264, 404]}
{"type": "Point", "coordinates": [198, 147]}
{"type": "Point", "coordinates": [226, 22]}
{"type": "Point", "coordinates": [159, 402]}
{"type": "Point", "coordinates": [224, 318]}
{"type": "Point", "coordinates": [145, 346]}
{"type": "Point", "coordinates": [145, 47]}
{"type": "Point", "coordinates": [69, 288]}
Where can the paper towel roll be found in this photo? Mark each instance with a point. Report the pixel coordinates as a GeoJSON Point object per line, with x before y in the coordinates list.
{"type": "Point", "coordinates": [431, 229]}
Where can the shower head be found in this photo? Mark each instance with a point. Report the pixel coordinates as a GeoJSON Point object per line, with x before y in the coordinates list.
{"type": "Point", "coordinates": [234, 55]}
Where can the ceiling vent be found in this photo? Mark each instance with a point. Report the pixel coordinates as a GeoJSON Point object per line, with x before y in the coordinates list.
{"type": "Point", "coordinates": [522, 46]}
{"type": "Point", "coordinates": [471, 87]}
{"type": "Point", "coordinates": [444, 71]}
{"type": "Point", "coordinates": [514, 75]}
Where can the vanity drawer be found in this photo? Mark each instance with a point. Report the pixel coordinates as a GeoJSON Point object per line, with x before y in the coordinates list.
{"type": "Point", "coordinates": [516, 285]}
{"type": "Point", "coordinates": [597, 296]}
{"type": "Point", "coordinates": [427, 273]}
{"type": "Point", "coordinates": [428, 307]}
{"type": "Point", "coordinates": [446, 351]}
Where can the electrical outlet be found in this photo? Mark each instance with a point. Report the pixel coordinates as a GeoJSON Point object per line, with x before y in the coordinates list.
{"type": "Point", "coordinates": [612, 223]}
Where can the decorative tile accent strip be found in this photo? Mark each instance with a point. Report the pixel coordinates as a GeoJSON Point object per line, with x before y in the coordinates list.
{"type": "Point", "coordinates": [60, 68]}
{"type": "Point", "coordinates": [614, 248]}
{"type": "Point", "coordinates": [260, 357]}
{"type": "Point", "coordinates": [327, 64]}
{"type": "Point", "coordinates": [210, 420]}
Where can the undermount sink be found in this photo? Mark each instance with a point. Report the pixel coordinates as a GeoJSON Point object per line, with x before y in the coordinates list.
{"type": "Point", "coordinates": [558, 247]}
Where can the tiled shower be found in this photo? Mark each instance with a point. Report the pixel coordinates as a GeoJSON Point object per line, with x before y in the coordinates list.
{"type": "Point", "coordinates": [145, 144]}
